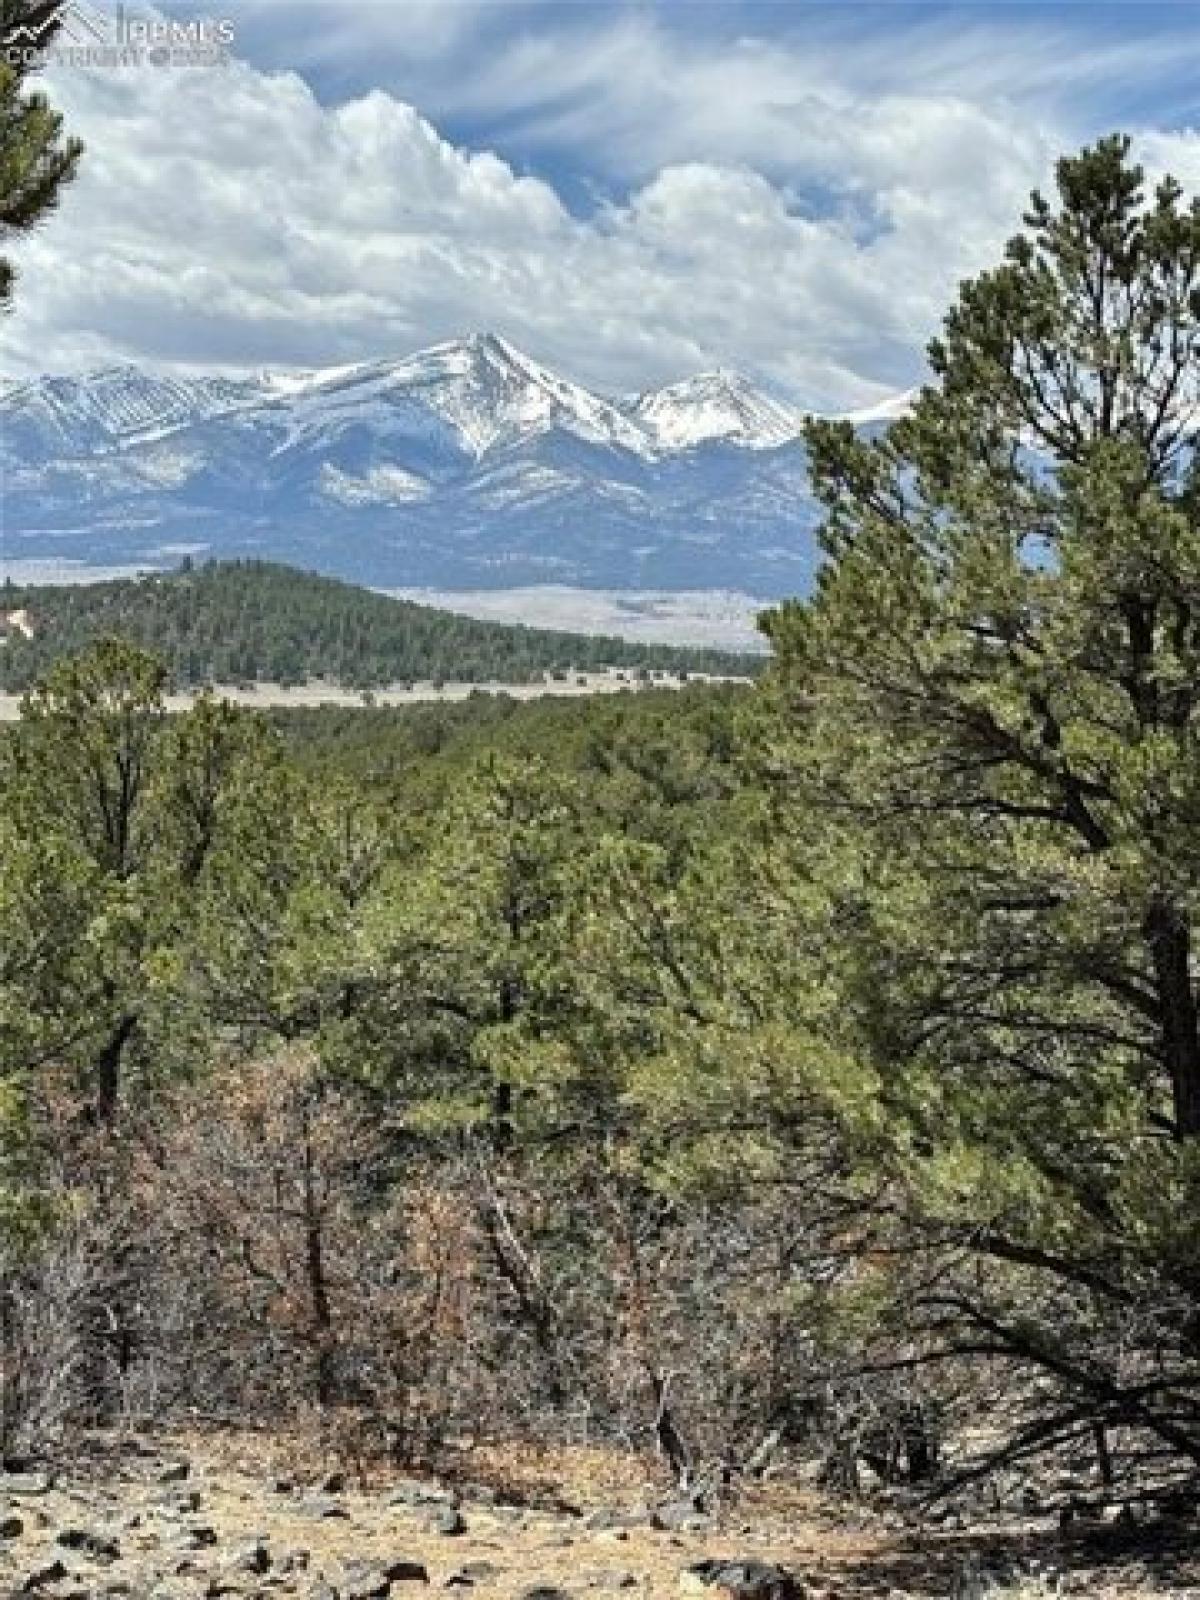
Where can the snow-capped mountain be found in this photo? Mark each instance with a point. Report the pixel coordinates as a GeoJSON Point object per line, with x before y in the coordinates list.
{"type": "Point", "coordinates": [465, 465]}
{"type": "Point", "coordinates": [103, 410]}
{"type": "Point", "coordinates": [715, 406]}
{"type": "Point", "coordinates": [482, 390]}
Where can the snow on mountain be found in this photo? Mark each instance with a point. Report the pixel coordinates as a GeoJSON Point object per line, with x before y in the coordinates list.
{"type": "Point", "coordinates": [115, 406]}
{"type": "Point", "coordinates": [465, 465]}
{"type": "Point", "coordinates": [715, 405]}
{"type": "Point", "coordinates": [481, 391]}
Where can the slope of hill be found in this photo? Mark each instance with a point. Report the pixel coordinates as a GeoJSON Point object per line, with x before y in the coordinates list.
{"type": "Point", "coordinates": [468, 465]}
{"type": "Point", "coordinates": [231, 622]}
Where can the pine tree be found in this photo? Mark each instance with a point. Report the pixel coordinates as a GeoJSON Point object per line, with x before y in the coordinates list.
{"type": "Point", "coordinates": [117, 810]}
{"type": "Point", "coordinates": [36, 161]}
{"type": "Point", "coordinates": [992, 704]}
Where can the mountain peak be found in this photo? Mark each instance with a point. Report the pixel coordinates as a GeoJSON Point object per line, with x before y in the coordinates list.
{"type": "Point", "coordinates": [480, 391]}
{"type": "Point", "coordinates": [467, 464]}
{"type": "Point", "coordinates": [720, 405]}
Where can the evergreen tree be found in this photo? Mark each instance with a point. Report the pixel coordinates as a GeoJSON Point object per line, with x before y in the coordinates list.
{"type": "Point", "coordinates": [114, 814]}
{"type": "Point", "coordinates": [992, 707]}
{"type": "Point", "coordinates": [35, 159]}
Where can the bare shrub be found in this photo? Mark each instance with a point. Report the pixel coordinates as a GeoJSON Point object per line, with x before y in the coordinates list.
{"type": "Point", "coordinates": [266, 1246]}
{"type": "Point", "coordinates": [49, 1301]}
{"type": "Point", "coordinates": [286, 1269]}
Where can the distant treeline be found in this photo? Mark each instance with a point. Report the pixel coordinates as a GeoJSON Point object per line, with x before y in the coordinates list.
{"type": "Point", "coordinates": [257, 621]}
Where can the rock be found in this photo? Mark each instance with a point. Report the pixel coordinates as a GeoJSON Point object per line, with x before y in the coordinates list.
{"type": "Point", "coordinates": [185, 1503]}
{"type": "Point", "coordinates": [325, 1509]}
{"type": "Point", "coordinates": [177, 1472]}
{"type": "Point", "coordinates": [11, 1527]}
{"type": "Point", "coordinates": [682, 1516]}
{"type": "Point", "coordinates": [42, 1577]}
{"type": "Point", "coordinates": [333, 1483]}
{"type": "Point", "coordinates": [402, 1570]}
{"type": "Point", "coordinates": [198, 1536]}
{"type": "Point", "coordinates": [25, 1483]}
{"type": "Point", "coordinates": [544, 1591]}
{"type": "Point", "coordinates": [99, 1546]}
{"type": "Point", "coordinates": [611, 1580]}
{"type": "Point", "coordinates": [367, 1580]}
{"type": "Point", "coordinates": [607, 1520]}
{"type": "Point", "coordinates": [672, 1512]}
{"type": "Point", "coordinates": [450, 1523]}
{"type": "Point", "coordinates": [471, 1573]}
{"type": "Point", "coordinates": [251, 1558]}
{"type": "Point", "coordinates": [740, 1580]}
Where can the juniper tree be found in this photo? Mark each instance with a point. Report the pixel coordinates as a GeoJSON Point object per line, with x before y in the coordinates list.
{"type": "Point", "coordinates": [990, 713]}
{"type": "Point", "coordinates": [36, 160]}
{"type": "Point", "coordinates": [117, 811]}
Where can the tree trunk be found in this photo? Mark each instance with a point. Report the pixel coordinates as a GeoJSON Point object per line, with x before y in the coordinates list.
{"type": "Point", "coordinates": [318, 1286]}
{"type": "Point", "coordinates": [107, 1071]}
{"type": "Point", "coordinates": [1168, 934]}
{"type": "Point", "coordinates": [1104, 1461]}
{"type": "Point", "coordinates": [920, 1446]}
{"type": "Point", "coordinates": [670, 1440]}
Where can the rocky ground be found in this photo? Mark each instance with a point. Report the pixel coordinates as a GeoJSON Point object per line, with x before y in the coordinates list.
{"type": "Point", "coordinates": [188, 1520]}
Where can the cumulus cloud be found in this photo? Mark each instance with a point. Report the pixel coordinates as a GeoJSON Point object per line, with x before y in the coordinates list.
{"type": "Point", "coordinates": [230, 218]}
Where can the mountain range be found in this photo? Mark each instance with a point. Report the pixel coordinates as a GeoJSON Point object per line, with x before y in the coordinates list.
{"type": "Point", "coordinates": [465, 465]}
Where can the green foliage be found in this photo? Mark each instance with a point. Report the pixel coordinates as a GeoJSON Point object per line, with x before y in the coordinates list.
{"type": "Point", "coordinates": [993, 701]}
{"type": "Point", "coordinates": [114, 810]}
{"type": "Point", "coordinates": [36, 161]}
{"type": "Point", "coordinates": [239, 622]}
{"type": "Point", "coordinates": [892, 956]}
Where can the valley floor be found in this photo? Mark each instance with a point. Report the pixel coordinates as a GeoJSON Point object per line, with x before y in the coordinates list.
{"type": "Point", "coordinates": [722, 619]}
{"type": "Point", "coordinates": [271, 695]}
{"type": "Point", "coordinates": [181, 1519]}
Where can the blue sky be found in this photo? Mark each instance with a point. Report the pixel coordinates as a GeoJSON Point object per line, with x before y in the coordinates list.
{"type": "Point", "coordinates": [1096, 64]}
{"type": "Point", "coordinates": [629, 191]}
{"type": "Point", "coordinates": [565, 88]}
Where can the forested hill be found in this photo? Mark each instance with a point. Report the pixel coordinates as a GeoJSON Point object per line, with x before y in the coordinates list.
{"type": "Point", "coordinates": [256, 621]}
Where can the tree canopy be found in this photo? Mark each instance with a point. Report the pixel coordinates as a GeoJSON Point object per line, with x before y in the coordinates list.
{"type": "Point", "coordinates": [991, 703]}
{"type": "Point", "coordinates": [36, 158]}
{"type": "Point", "coordinates": [234, 622]}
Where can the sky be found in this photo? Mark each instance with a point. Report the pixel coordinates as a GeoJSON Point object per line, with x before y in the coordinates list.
{"type": "Point", "coordinates": [630, 192]}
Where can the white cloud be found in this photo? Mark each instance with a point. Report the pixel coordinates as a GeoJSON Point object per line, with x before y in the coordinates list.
{"type": "Point", "coordinates": [637, 87]}
{"type": "Point", "coordinates": [228, 218]}
{"type": "Point", "coordinates": [1174, 153]}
